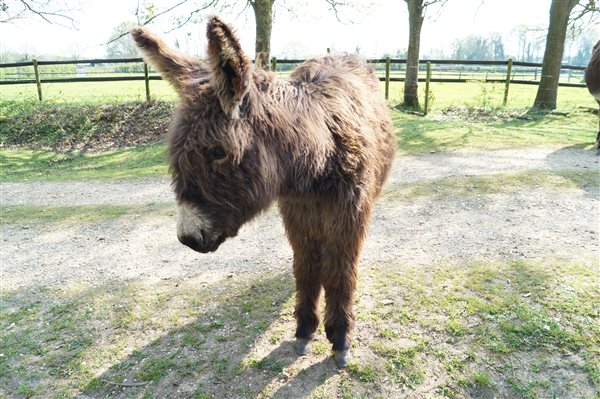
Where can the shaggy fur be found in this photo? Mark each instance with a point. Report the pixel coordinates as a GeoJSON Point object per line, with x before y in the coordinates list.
{"type": "Point", "coordinates": [321, 142]}
{"type": "Point", "coordinates": [592, 80]}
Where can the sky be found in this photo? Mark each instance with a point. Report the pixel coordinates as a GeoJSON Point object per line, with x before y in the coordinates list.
{"type": "Point", "coordinates": [381, 28]}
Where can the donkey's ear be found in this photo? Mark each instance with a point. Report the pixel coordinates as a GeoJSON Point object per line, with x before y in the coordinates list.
{"type": "Point", "coordinates": [231, 68]}
{"type": "Point", "coordinates": [173, 65]}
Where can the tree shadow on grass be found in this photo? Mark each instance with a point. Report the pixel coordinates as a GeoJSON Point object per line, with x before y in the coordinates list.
{"type": "Point", "coordinates": [413, 133]}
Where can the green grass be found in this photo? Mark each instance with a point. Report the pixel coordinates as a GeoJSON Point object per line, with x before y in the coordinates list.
{"type": "Point", "coordinates": [20, 165]}
{"type": "Point", "coordinates": [417, 135]}
{"type": "Point", "coordinates": [91, 92]}
{"type": "Point", "coordinates": [488, 95]}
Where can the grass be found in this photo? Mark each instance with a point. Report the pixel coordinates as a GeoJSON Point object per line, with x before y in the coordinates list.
{"type": "Point", "coordinates": [91, 92]}
{"type": "Point", "coordinates": [415, 135]}
{"type": "Point", "coordinates": [522, 325]}
{"type": "Point", "coordinates": [494, 184]}
{"type": "Point", "coordinates": [19, 165]}
{"type": "Point", "coordinates": [31, 214]}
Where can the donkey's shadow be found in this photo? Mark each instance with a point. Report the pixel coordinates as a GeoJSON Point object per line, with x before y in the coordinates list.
{"type": "Point", "coordinates": [217, 354]}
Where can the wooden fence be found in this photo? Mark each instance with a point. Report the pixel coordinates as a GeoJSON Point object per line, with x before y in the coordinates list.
{"type": "Point", "coordinates": [509, 77]}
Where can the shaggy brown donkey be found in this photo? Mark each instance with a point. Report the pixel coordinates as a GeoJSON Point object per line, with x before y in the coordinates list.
{"type": "Point", "coordinates": [592, 80]}
{"type": "Point", "coordinates": [320, 142]}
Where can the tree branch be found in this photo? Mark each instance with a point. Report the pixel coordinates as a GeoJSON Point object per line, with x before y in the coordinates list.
{"type": "Point", "coordinates": [37, 8]}
{"type": "Point", "coordinates": [580, 11]}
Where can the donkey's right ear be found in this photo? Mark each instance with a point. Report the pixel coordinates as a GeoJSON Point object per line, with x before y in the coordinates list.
{"type": "Point", "coordinates": [173, 65]}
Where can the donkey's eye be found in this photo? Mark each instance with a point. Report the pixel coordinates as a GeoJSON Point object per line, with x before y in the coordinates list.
{"type": "Point", "coordinates": [217, 153]}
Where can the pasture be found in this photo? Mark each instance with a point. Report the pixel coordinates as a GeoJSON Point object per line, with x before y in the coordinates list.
{"type": "Point", "coordinates": [479, 278]}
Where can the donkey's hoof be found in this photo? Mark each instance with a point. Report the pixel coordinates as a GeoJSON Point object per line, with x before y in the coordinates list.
{"type": "Point", "coordinates": [301, 346]}
{"type": "Point", "coordinates": [341, 358]}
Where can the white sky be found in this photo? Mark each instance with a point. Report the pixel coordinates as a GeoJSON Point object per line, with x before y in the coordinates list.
{"type": "Point", "coordinates": [383, 29]}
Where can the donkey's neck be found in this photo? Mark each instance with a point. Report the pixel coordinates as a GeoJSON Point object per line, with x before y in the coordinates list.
{"type": "Point", "coordinates": [295, 129]}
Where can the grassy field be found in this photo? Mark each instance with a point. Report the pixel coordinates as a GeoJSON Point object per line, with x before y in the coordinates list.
{"type": "Point", "coordinates": [444, 94]}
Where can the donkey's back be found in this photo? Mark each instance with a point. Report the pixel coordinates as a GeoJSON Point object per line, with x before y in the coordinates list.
{"type": "Point", "coordinates": [332, 67]}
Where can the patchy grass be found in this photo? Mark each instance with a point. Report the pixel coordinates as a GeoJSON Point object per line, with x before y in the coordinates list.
{"type": "Point", "coordinates": [495, 183]}
{"type": "Point", "coordinates": [32, 214]}
{"type": "Point", "coordinates": [480, 329]}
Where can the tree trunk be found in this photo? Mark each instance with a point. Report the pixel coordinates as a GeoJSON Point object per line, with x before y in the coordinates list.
{"type": "Point", "coordinates": [263, 15]}
{"type": "Point", "coordinates": [555, 44]}
{"type": "Point", "coordinates": [415, 22]}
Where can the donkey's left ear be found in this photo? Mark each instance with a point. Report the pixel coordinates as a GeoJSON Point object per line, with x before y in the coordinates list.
{"type": "Point", "coordinates": [231, 68]}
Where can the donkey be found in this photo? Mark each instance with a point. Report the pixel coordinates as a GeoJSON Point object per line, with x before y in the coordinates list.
{"type": "Point", "coordinates": [320, 142]}
{"type": "Point", "coordinates": [592, 80]}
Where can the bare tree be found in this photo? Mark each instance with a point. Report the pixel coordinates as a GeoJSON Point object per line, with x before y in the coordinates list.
{"type": "Point", "coordinates": [263, 10]}
{"type": "Point", "coordinates": [560, 13]}
{"type": "Point", "coordinates": [52, 11]}
{"type": "Point", "coordinates": [416, 15]}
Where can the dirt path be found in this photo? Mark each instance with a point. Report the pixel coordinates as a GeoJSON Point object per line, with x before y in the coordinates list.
{"type": "Point", "coordinates": [539, 222]}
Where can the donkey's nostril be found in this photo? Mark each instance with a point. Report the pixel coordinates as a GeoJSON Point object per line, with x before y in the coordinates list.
{"type": "Point", "coordinates": [203, 236]}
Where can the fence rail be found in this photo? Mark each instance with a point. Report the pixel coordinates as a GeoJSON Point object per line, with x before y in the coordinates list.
{"type": "Point", "coordinates": [142, 73]}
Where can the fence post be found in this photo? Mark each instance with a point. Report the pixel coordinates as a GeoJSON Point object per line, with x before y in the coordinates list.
{"type": "Point", "coordinates": [427, 79]}
{"type": "Point", "coordinates": [147, 81]}
{"type": "Point", "coordinates": [37, 78]}
{"type": "Point", "coordinates": [387, 77]}
{"type": "Point", "coordinates": [274, 64]}
{"type": "Point", "coordinates": [507, 85]}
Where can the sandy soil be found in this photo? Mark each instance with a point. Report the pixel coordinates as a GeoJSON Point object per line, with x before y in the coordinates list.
{"type": "Point", "coordinates": [534, 223]}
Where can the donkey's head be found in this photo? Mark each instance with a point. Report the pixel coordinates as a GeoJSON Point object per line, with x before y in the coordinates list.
{"type": "Point", "coordinates": [222, 173]}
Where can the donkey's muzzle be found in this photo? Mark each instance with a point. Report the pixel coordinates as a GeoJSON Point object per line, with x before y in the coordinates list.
{"type": "Point", "coordinates": [202, 242]}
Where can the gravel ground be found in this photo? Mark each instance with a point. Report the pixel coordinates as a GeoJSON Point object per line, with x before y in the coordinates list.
{"type": "Point", "coordinates": [536, 223]}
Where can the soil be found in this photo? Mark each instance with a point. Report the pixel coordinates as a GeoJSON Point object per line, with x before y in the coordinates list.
{"type": "Point", "coordinates": [533, 224]}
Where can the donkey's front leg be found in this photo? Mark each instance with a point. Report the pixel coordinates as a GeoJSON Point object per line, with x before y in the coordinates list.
{"type": "Point", "coordinates": [339, 275]}
{"type": "Point", "coordinates": [307, 264]}
{"type": "Point", "coordinates": [308, 291]}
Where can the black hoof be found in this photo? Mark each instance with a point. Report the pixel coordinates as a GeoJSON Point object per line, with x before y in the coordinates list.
{"type": "Point", "coordinates": [301, 346]}
{"type": "Point", "coordinates": [341, 357]}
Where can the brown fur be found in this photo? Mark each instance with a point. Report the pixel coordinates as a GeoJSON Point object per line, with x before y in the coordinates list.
{"type": "Point", "coordinates": [321, 142]}
{"type": "Point", "coordinates": [592, 80]}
